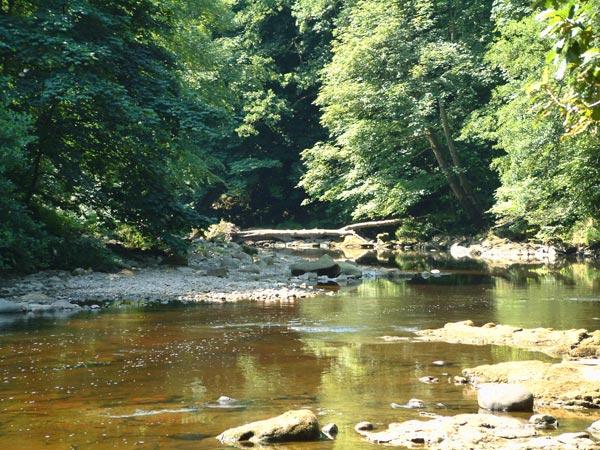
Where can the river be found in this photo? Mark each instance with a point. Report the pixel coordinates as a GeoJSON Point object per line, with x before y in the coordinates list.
{"type": "Point", "coordinates": [149, 378]}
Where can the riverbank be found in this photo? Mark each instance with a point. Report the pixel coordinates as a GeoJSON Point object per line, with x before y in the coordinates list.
{"type": "Point", "coordinates": [216, 272]}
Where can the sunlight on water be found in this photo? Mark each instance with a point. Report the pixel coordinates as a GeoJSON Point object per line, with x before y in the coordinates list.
{"type": "Point", "coordinates": [153, 378]}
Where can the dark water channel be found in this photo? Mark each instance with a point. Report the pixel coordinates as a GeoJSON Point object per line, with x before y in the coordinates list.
{"type": "Point", "coordinates": [148, 379]}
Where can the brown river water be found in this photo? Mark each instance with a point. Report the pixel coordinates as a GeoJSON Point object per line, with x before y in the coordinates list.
{"type": "Point", "coordinates": [149, 378]}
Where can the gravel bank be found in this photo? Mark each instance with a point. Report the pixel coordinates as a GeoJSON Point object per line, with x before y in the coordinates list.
{"type": "Point", "coordinates": [218, 273]}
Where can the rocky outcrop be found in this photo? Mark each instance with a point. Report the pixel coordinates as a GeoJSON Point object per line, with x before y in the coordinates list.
{"type": "Point", "coordinates": [480, 431]}
{"type": "Point", "coordinates": [504, 397]}
{"type": "Point", "coordinates": [568, 384]}
{"type": "Point", "coordinates": [292, 426]}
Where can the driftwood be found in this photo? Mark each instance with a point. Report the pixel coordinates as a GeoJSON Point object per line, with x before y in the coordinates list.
{"type": "Point", "coordinates": [315, 233]}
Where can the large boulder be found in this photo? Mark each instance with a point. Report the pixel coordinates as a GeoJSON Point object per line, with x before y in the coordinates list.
{"type": "Point", "coordinates": [504, 397]}
{"type": "Point", "coordinates": [324, 266]}
{"type": "Point", "coordinates": [292, 426]}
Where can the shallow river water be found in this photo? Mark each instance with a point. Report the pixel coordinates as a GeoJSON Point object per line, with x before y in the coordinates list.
{"type": "Point", "coordinates": [149, 378]}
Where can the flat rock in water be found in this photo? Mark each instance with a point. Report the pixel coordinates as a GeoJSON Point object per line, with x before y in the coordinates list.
{"type": "Point", "coordinates": [324, 266]}
{"type": "Point", "coordinates": [504, 397]}
{"type": "Point", "coordinates": [292, 426]}
{"type": "Point", "coordinates": [473, 431]}
{"type": "Point", "coordinates": [567, 344]}
{"type": "Point", "coordinates": [563, 385]}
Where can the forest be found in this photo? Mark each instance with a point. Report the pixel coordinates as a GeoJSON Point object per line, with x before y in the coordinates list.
{"type": "Point", "coordinates": [136, 121]}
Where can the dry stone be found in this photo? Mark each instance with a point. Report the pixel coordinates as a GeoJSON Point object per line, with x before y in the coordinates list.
{"type": "Point", "coordinates": [504, 397]}
{"type": "Point", "coordinates": [292, 426]}
{"type": "Point", "coordinates": [474, 431]}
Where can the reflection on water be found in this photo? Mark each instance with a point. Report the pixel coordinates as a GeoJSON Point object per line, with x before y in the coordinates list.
{"type": "Point", "coordinates": [151, 378]}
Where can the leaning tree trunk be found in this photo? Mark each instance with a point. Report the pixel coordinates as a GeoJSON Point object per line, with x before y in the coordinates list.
{"type": "Point", "coordinates": [460, 170]}
{"type": "Point", "coordinates": [452, 179]}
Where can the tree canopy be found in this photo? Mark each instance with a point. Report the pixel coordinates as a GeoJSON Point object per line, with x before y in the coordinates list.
{"type": "Point", "coordinates": [138, 120]}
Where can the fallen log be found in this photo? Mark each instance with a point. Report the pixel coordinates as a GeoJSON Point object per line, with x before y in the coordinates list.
{"type": "Point", "coordinates": [315, 233]}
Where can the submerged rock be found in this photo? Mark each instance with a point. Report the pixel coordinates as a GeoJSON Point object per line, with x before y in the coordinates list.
{"type": "Point", "coordinates": [504, 397]}
{"type": "Point", "coordinates": [330, 430]}
{"type": "Point", "coordinates": [543, 421]}
{"type": "Point", "coordinates": [292, 426]}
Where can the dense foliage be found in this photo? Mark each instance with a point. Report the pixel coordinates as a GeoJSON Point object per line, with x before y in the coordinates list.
{"type": "Point", "coordinates": [138, 120]}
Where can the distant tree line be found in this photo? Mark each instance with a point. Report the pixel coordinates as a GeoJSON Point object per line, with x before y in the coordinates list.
{"type": "Point", "coordinates": [138, 120]}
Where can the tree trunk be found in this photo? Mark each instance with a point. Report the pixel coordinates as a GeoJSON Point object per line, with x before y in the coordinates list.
{"type": "Point", "coordinates": [460, 170]}
{"type": "Point", "coordinates": [454, 183]}
{"type": "Point", "coordinates": [348, 230]}
{"type": "Point", "coordinates": [43, 119]}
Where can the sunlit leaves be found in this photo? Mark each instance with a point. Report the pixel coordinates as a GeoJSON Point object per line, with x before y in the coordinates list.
{"type": "Point", "coordinates": [393, 65]}
{"type": "Point", "coordinates": [574, 59]}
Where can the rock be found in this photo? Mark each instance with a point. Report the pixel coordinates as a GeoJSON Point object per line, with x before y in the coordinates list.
{"type": "Point", "coordinates": [412, 403]}
{"type": "Point", "coordinates": [349, 269]}
{"type": "Point", "coordinates": [330, 430]}
{"type": "Point", "coordinates": [429, 380]}
{"type": "Point", "coordinates": [38, 307]}
{"type": "Point", "coordinates": [566, 437]}
{"type": "Point", "coordinates": [175, 259]}
{"type": "Point", "coordinates": [64, 304]}
{"type": "Point", "coordinates": [219, 272]}
{"type": "Point", "coordinates": [229, 262]}
{"type": "Point", "coordinates": [324, 266]}
{"type": "Point", "coordinates": [363, 426]}
{"type": "Point", "coordinates": [292, 426]}
{"type": "Point", "coordinates": [481, 431]}
{"type": "Point", "coordinates": [439, 363]}
{"type": "Point", "coordinates": [268, 259]}
{"type": "Point", "coordinates": [564, 385]}
{"type": "Point", "coordinates": [249, 249]}
{"type": "Point", "coordinates": [594, 429]}
{"type": "Point", "coordinates": [558, 343]}
{"type": "Point", "coordinates": [36, 297]}
{"type": "Point", "coordinates": [8, 307]}
{"type": "Point", "coordinates": [543, 421]}
{"type": "Point", "coordinates": [504, 397]}
{"type": "Point", "coordinates": [567, 441]}
{"type": "Point", "coordinates": [588, 347]}
{"type": "Point", "coordinates": [251, 268]}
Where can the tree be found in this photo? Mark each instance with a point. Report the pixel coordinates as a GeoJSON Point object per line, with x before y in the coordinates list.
{"type": "Point", "coordinates": [277, 50]}
{"type": "Point", "coordinates": [121, 139]}
{"type": "Point", "coordinates": [549, 180]}
{"type": "Point", "coordinates": [575, 59]}
{"type": "Point", "coordinates": [402, 79]}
